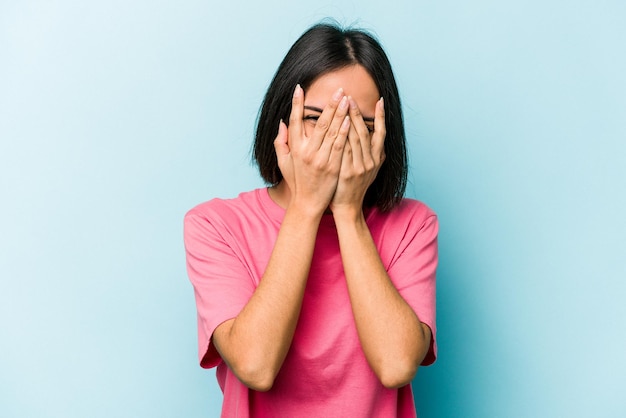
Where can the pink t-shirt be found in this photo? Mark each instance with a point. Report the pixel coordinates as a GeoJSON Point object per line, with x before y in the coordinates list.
{"type": "Point", "coordinates": [325, 373]}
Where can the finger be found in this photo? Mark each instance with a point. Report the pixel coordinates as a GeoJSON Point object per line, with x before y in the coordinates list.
{"type": "Point", "coordinates": [380, 131]}
{"type": "Point", "coordinates": [336, 125]}
{"type": "Point", "coordinates": [338, 146]}
{"type": "Point", "coordinates": [346, 158]}
{"type": "Point", "coordinates": [325, 120]}
{"type": "Point", "coordinates": [355, 146]}
{"type": "Point", "coordinates": [357, 120]}
{"type": "Point", "coordinates": [281, 143]}
{"type": "Point", "coordinates": [362, 151]}
{"type": "Point", "coordinates": [297, 111]}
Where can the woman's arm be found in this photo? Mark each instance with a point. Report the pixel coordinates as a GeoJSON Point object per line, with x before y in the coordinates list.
{"type": "Point", "coordinates": [393, 338]}
{"type": "Point", "coordinates": [255, 343]}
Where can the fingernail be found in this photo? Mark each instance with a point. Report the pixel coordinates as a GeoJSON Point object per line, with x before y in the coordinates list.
{"type": "Point", "coordinates": [298, 91]}
{"type": "Point", "coordinates": [352, 102]}
{"type": "Point", "coordinates": [338, 94]}
{"type": "Point", "coordinates": [343, 103]}
{"type": "Point", "coordinates": [346, 123]}
{"type": "Point", "coordinates": [382, 103]}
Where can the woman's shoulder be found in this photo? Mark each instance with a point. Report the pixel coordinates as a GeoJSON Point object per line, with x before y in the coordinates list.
{"type": "Point", "coordinates": [223, 212]}
{"type": "Point", "coordinates": [417, 206]}
{"type": "Point", "coordinates": [247, 210]}
{"type": "Point", "coordinates": [408, 218]}
{"type": "Point", "coordinates": [224, 205]}
{"type": "Point", "coordinates": [407, 210]}
{"type": "Point", "coordinates": [410, 224]}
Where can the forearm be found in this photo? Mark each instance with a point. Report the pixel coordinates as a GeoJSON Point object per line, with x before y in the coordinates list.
{"type": "Point", "coordinates": [392, 337]}
{"type": "Point", "coordinates": [255, 343]}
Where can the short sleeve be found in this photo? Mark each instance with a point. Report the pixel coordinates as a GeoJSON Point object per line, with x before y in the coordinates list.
{"type": "Point", "coordinates": [414, 273]}
{"type": "Point", "coordinates": [221, 282]}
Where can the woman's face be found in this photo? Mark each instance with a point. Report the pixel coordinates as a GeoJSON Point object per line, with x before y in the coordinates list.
{"type": "Point", "coordinates": [355, 81]}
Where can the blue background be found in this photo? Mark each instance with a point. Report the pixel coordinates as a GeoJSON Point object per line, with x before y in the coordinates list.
{"type": "Point", "coordinates": [117, 117]}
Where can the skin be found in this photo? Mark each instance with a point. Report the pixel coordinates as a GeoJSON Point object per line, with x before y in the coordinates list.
{"type": "Point", "coordinates": [329, 155]}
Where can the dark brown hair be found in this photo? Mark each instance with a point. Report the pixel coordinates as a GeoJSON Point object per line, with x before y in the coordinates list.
{"type": "Point", "coordinates": [322, 49]}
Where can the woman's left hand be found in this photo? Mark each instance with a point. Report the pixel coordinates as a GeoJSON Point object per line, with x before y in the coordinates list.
{"type": "Point", "coordinates": [363, 156]}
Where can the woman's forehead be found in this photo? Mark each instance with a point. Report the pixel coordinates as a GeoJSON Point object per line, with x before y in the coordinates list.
{"type": "Point", "coordinates": [354, 80]}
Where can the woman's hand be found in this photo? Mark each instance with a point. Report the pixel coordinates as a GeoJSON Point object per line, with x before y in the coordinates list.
{"type": "Point", "coordinates": [363, 155]}
{"type": "Point", "coordinates": [255, 343]}
{"type": "Point", "coordinates": [311, 166]}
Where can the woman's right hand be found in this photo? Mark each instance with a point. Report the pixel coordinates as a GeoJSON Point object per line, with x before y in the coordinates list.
{"type": "Point", "coordinates": [310, 166]}
{"type": "Point", "coordinates": [255, 343]}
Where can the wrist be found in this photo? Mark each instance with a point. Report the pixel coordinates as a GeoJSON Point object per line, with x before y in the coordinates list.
{"type": "Point", "coordinates": [303, 212]}
{"type": "Point", "coordinates": [348, 215]}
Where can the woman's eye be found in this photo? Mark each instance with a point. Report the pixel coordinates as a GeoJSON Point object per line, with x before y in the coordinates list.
{"type": "Point", "coordinates": [314, 118]}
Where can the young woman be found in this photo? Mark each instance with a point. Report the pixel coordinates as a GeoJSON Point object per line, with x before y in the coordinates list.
{"type": "Point", "coordinates": [316, 295]}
